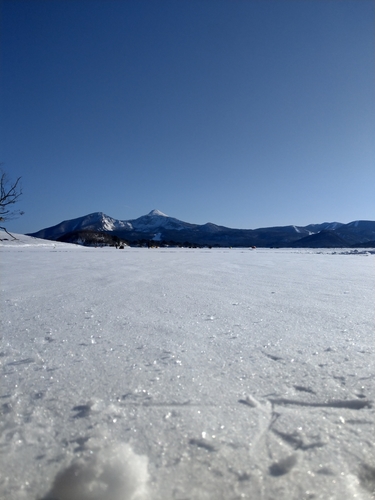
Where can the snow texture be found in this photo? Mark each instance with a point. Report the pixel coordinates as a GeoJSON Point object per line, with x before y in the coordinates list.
{"type": "Point", "coordinates": [157, 374]}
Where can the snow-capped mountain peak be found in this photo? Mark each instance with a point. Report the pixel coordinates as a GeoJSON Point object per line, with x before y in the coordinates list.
{"type": "Point", "coordinates": [105, 223]}
{"type": "Point", "coordinates": [158, 220]}
{"type": "Point", "coordinates": [157, 212]}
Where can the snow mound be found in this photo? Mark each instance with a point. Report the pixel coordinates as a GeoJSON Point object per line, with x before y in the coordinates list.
{"type": "Point", "coordinates": [23, 240]}
{"type": "Point", "coordinates": [115, 473]}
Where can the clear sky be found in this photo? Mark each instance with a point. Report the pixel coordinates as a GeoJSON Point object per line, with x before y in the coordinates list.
{"type": "Point", "coordinates": [245, 113]}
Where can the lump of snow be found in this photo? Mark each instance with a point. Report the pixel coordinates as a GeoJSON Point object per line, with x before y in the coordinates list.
{"type": "Point", "coordinates": [115, 473]}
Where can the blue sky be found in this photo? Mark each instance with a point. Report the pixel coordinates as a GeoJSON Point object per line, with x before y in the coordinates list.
{"type": "Point", "coordinates": [245, 113]}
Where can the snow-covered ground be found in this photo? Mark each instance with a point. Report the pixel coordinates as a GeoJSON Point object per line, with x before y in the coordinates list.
{"type": "Point", "coordinates": [186, 374]}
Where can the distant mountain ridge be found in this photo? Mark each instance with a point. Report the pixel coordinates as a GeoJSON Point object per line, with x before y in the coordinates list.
{"type": "Point", "coordinates": [159, 227]}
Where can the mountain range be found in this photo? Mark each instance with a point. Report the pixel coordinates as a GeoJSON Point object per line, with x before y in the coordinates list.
{"type": "Point", "coordinates": [158, 228]}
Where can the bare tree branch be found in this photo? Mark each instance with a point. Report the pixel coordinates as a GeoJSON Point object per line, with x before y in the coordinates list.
{"type": "Point", "coordinates": [4, 229]}
{"type": "Point", "coordinates": [10, 193]}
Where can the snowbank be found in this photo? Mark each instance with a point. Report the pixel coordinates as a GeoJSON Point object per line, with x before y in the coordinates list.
{"type": "Point", "coordinates": [22, 240]}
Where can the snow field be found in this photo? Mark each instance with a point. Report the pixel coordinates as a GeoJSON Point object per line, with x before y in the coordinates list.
{"type": "Point", "coordinates": [186, 374]}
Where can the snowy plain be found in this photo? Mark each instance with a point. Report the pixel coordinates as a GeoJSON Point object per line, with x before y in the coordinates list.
{"type": "Point", "coordinates": [181, 374]}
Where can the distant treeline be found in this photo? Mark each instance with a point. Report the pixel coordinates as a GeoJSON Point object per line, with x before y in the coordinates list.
{"type": "Point", "coordinates": [102, 239]}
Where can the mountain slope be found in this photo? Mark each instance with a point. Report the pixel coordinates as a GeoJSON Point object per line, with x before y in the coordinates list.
{"type": "Point", "coordinates": [359, 231]}
{"type": "Point", "coordinates": [323, 239]}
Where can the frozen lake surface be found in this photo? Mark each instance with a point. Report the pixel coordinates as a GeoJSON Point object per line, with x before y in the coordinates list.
{"type": "Point", "coordinates": [186, 374]}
